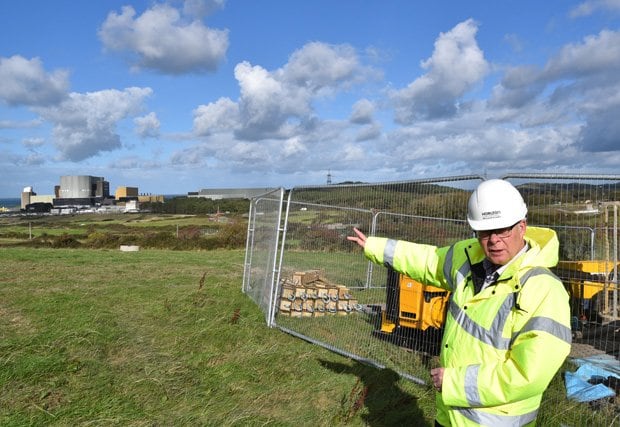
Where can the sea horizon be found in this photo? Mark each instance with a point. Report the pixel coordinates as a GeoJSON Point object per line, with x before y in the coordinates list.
{"type": "Point", "coordinates": [10, 202]}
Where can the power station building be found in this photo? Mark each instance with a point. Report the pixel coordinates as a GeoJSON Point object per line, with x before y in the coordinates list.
{"type": "Point", "coordinates": [85, 193]}
{"type": "Point", "coordinates": [32, 202]}
{"type": "Point", "coordinates": [82, 190]}
{"type": "Point", "coordinates": [124, 194]}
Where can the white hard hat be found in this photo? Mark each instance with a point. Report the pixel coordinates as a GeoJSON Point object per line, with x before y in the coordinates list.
{"type": "Point", "coordinates": [495, 204]}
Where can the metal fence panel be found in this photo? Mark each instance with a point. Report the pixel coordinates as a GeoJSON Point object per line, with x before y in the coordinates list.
{"type": "Point", "coordinates": [262, 250]}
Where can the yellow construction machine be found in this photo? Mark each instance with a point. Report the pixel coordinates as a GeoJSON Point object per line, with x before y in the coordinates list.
{"type": "Point", "coordinates": [414, 313]}
{"type": "Point", "coordinates": [593, 289]}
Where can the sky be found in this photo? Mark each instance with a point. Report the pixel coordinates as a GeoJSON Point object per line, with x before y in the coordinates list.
{"type": "Point", "coordinates": [175, 96]}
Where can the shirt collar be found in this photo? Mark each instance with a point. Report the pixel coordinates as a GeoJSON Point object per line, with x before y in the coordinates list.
{"type": "Point", "coordinates": [491, 268]}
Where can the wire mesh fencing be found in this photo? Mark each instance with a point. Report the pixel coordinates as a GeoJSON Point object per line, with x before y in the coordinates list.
{"type": "Point", "coordinates": [260, 272]}
{"type": "Point", "coordinates": [324, 291]}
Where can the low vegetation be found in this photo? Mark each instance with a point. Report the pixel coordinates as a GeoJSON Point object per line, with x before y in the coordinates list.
{"type": "Point", "coordinates": [160, 337]}
{"type": "Point", "coordinates": [147, 230]}
{"type": "Point", "coordinates": [198, 206]}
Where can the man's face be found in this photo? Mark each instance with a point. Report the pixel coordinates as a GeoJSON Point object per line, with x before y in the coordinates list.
{"type": "Point", "coordinates": [501, 245]}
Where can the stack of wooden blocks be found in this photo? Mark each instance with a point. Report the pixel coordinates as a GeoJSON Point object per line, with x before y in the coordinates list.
{"type": "Point", "coordinates": [309, 294]}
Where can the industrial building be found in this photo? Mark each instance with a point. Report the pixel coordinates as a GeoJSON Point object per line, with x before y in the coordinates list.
{"type": "Point", "coordinates": [127, 194]}
{"type": "Point", "coordinates": [29, 197]}
{"type": "Point", "coordinates": [123, 194]}
{"type": "Point", "coordinates": [229, 193]}
{"type": "Point", "coordinates": [85, 193]}
{"type": "Point", "coordinates": [27, 194]}
{"type": "Point", "coordinates": [82, 191]}
{"type": "Point", "coordinates": [151, 198]}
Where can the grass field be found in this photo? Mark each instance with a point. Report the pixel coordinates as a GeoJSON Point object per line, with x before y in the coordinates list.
{"type": "Point", "coordinates": [103, 337]}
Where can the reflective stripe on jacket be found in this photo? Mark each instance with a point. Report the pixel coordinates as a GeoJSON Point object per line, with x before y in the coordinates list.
{"type": "Point", "coordinates": [502, 346]}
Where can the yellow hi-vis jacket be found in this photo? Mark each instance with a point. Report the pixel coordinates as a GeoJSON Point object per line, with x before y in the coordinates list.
{"type": "Point", "coordinates": [502, 346]}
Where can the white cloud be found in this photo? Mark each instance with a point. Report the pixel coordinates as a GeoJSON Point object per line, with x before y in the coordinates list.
{"type": "Point", "coordinates": [601, 131]}
{"type": "Point", "coordinates": [362, 112]}
{"type": "Point", "coordinates": [202, 8]}
{"type": "Point", "coordinates": [577, 88]}
{"type": "Point", "coordinates": [25, 82]}
{"type": "Point", "coordinates": [478, 147]}
{"type": "Point", "coordinates": [13, 124]}
{"type": "Point", "coordinates": [278, 104]}
{"type": "Point", "coordinates": [320, 66]}
{"type": "Point", "coordinates": [273, 126]}
{"type": "Point", "coordinates": [33, 159]}
{"type": "Point", "coordinates": [85, 124]}
{"type": "Point", "coordinates": [250, 153]}
{"type": "Point", "coordinates": [162, 40]}
{"type": "Point", "coordinates": [33, 142]}
{"type": "Point", "coordinates": [135, 162]}
{"type": "Point", "coordinates": [196, 155]}
{"type": "Point", "coordinates": [596, 56]}
{"type": "Point", "coordinates": [147, 126]}
{"type": "Point", "coordinates": [369, 132]}
{"type": "Point", "coordinates": [293, 147]}
{"type": "Point", "coordinates": [590, 6]}
{"type": "Point", "coordinates": [219, 116]}
{"type": "Point", "coordinates": [519, 87]}
{"type": "Point", "coordinates": [457, 64]}
{"type": "Point", "coordinates": [352, 153]}
{"type": "Point", "coordinates": [266, 103]}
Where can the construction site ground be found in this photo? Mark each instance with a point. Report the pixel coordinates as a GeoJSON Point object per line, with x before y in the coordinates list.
{"type": "Point", "coordinates": [595, 339]}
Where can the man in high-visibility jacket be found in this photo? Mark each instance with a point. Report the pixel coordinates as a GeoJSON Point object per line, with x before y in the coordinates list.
{"type": "Point", "coordinates": [507, 329]}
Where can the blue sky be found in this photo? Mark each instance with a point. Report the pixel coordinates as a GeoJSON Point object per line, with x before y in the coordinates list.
{"type": "Point", "coordinates": [175, 96]}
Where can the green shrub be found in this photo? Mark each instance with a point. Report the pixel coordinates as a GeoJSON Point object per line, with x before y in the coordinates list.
{"type": "Point", "coordinates": [232, 235]}
{"type": "Point", "coordinates": [100, 240]}
{"type": "Point", "coordinates": [65, 241]}
{"type": "Point", "coordinates": [159, 239]}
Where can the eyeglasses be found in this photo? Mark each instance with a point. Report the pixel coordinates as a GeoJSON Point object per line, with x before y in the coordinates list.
{"type": "Point", "coordinates": [502, 233]}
